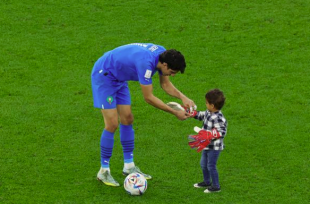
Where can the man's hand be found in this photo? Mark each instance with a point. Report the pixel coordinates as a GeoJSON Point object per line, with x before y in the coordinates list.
{"type": "Point", "coordinates": [189, 106]}
{"type": "Point", "coordinates": [181, 115]}
{"type": "Point", "coordinates": [187, 102]}
{"type": "Point", "coordinates": [192, 111]}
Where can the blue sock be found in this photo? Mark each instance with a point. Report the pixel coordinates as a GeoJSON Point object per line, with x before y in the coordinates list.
{"type": "Point", "coordinates": [127, 141]}
{"type": "Point", "coordinates": [106, 145]}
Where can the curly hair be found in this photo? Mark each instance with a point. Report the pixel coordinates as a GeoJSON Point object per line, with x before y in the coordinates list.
{"type": "Point", "coordinates": [174, 59]}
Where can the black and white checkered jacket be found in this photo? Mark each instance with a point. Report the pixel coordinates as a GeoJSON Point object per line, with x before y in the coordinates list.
{"type": "Point", "coordinates": [210, 121]}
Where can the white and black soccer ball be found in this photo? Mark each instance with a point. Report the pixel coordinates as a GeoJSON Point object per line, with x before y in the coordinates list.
{"type": "Point", "coordinates": [135, 184]}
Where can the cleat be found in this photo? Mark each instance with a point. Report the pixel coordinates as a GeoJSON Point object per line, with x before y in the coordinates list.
{"type": "Point", "coordinates": [136, 169]}
{"type": "Point", "coordinates": [106, 178]}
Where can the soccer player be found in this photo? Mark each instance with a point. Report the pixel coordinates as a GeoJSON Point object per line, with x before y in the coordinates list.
{"type": "Point", "coordinates": [110, 76]}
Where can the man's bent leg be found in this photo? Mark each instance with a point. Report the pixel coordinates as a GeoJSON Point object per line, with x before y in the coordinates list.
{"type": "Point", "coordinates": [106, 146]}
{"type": "Point", "coordinates": [107, 137]}
{"type": "Point", "coordinates": [127, 134]}
{"type": "Point", "coordinates": [127, 140]}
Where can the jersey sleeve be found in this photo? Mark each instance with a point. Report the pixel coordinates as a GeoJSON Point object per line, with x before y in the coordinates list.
{"type": "Point", "coordinates": [145, 72]}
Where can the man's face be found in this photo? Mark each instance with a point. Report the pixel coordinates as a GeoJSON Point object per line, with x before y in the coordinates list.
{"type": "Point", "coordinates": [166, 71]}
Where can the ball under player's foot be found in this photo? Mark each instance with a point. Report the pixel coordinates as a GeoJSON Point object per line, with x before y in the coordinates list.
{"type": "Point", "coordinates": [105, 177]}
{"type": "Point", "coordinates": [135, 169]}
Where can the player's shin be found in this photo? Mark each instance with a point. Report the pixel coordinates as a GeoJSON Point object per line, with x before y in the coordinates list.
{"type": "Point", "coordinates": [106, 147]}
{"type": "Point", "coordinates": [127, 141]}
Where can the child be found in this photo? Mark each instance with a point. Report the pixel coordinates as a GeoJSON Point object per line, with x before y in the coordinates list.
{"type": "Point", "coordinates": [212, 118]}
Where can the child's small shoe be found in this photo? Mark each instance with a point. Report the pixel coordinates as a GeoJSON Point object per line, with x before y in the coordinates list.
{"type": "Point", "coordinates": [212, 189]}
{"type": "Point", "coordinates": [202, 185]}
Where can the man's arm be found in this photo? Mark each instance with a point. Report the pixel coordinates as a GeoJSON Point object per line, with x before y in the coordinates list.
{"type": "Point", "coordinates": [147, 91]}
{"type": "Point", "coordinates": [170, 89]}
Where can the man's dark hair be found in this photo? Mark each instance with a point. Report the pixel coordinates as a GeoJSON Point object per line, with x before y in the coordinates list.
{"type": "Point", "coordinates": [174, 59]}
{"type": "Point", "coordinates": [216, 97]}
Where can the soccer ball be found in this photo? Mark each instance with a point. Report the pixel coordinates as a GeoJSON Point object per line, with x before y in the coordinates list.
{"type": "Point", "coordinates": [135, 184]}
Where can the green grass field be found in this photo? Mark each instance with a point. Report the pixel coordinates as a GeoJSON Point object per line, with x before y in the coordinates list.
{"type": "Point", "coordinates": [257, 52]}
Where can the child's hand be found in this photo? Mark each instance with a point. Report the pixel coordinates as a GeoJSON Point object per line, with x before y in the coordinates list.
{"type": "Point", "coordinates": [192, 111]}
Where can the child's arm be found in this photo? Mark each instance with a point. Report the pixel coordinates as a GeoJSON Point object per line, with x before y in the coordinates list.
{"type": "Point", "coordinates": [198, 115]}
{"type": "Point", "coordinates": [220, 124]}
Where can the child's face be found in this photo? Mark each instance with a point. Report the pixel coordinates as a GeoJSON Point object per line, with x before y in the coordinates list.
{"type": "Point", "coordinates": [210, 107]}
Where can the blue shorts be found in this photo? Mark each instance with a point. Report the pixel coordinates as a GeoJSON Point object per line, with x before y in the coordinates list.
{"type": "Point", "coordinates": [107, 91]}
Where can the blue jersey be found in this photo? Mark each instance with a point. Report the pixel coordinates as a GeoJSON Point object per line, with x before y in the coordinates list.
{"type": "Point", "coordinates": [132, 62]}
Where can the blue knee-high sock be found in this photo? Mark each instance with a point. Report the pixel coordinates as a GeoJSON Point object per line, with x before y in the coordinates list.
{"type": "Point", "coordinates": [128, 142]}
{"type": "Point", "coordinates": [106, 146]}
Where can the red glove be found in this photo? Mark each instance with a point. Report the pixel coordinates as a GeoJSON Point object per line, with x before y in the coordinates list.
{"type": "Point", "coordinates": [198, 143]}
{"type": "Point", "coordinates": [191, 111]}
{"type": "Point", "coordinates": [203, 139]}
